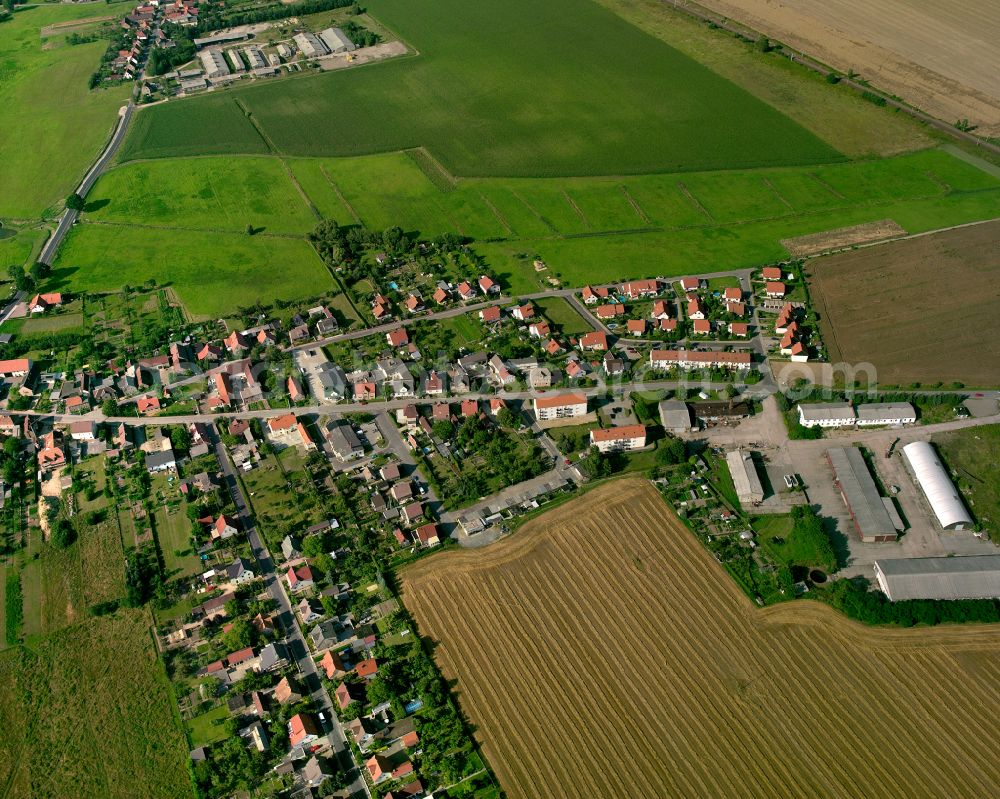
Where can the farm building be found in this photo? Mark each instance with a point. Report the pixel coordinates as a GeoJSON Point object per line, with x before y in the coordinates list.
{"type": "Point", "coordinates": [827, 414]}
{"type": "Point", "coordinates": [255, 57]}
{"type": "Point", "coordinates": [619, 439]}
{"type": "Point", "coordinates": [937, 486]}
{"type": "Point", "coordinates": [310, 44]}
{"type": "Point", "coordinates": [745, 478]}
{"type": "Point", "coordinates": [560, 406]}
{"type": "Point", "coordinates": [969, 577]}
{"type": "Point", "coordinates": [214, 63]}
{"type": "Point", "coordinates": [708, 412]}
{"type": "Point", "coordinates": [235, 60]}
{"type": "Point", "coordinates": [886, 413]}
{"type": "Point", "coordinates": [336, 40]}
{"type": "Point", "coordinates": [675, 416]}
{"type": "Point", "coordinates": [868, 509]}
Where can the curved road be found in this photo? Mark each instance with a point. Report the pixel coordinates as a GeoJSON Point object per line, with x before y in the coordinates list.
{"type": "Point", "coordinates": [69, 216]}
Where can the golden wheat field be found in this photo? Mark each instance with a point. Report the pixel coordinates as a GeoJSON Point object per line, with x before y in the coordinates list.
{"type": "Point", "coordinates": [602, 652]}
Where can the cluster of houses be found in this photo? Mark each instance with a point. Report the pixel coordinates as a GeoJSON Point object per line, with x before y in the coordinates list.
{"type": "Point", "coordinates": [444, 295]}
{"type": "Point", "coordinates": [794, 337]}
{"type": "Point", "coordinates": [143, 27]}
{"type": "Point", "coordinates": [724, 318]}
{"type": "Point", "coordinates": [396, 497]}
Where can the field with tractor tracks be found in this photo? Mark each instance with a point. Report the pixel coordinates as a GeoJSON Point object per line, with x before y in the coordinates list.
{"type": "Point", "coordinates": [603, 652]}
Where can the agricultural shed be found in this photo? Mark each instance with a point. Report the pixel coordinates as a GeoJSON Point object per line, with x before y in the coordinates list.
{"type": "Point", "coordinates": [937, 486]}
{"type": "Point", "coordinates": [871, 519]}
{"type": "Point", "coordinates": [336, 40]}
{"type": "Point", "coordinates": [968, 577]}
{"type": "Point", "coordinates": [745, 477]}
{"type": "Point", "coordinates": [886, 413]}
{"type": "Point", "coordinates": [827, 414]}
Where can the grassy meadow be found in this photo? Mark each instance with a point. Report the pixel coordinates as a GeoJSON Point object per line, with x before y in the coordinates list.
{"type": "Point", "coordinates": [211, 272]}
{"type": "Point", "coordinates": [51, 125]}
{"type": "Point", "coordinates": [221, 194]}
{"type": "Point", "coordinates": [87, 712]}
{"type": "Point", "coordinates": [500, 87]}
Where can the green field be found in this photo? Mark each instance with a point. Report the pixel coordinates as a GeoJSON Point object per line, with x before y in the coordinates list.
{"type": "Point", "coordinates": [87, 712]}
{"type": "Point", "coordinates": [212, 273]}
{"type": "Point", "coordinates": [51, 125]}
{"type": "Point", "coordinates": [972, 456]}
{"type": "Point", "coordinates": [500, 87]}
{"type": "Point", "coordinates": [220, 194]}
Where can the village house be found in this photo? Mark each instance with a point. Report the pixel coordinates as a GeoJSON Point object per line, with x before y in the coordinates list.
{"type": "Point", "coordinates": [148, 406]}
{"type": "Point", "coordinates": [299, 579]}
{"type": "Point", "coordinates": [701, 327]}
{"type": "Point", "coordinates": [688, 359]}
{"type": "Point", "coordinates": [595, 340]}
{"type": "Point", "coordinates": [523, 312]}
{"type": "Point", "coordinates": [427, 535]}
{"type": "Point", "coordinates": [637, 289]}
{"type": "Point", "coordinates": [636, 327]}
{"type": "Point", "coordinates": [775, 290]}
{"type": "Point", "coordinates": [736, 308]}
{"type": "Point", "coordinates": [771, 273]}
{"type": "Point", "coordinates": [592, 296]}
{"type": "Point", "coordinates": [689, 284]}
{"type": "Point", "coordinates": [619, 439]}
{"type": "Point", "coordinates": [288, 691]}
{"type": "Point", "coordinates": [487, 285]}
{"type": "Point", "coordinates": [40, 303]}
{"type": "Point", "coordinates": [223, 528]}
{"type": "Point", "coordinates": [695, 309]}
{"type": "Point", "coordinates": [398, 337]}
{"type": "Point", "coordinates": [559, 406]}
{"type": "Point", "coordinates": [490, 315]}
{"type": "Point", "coordinates": [302, 730]}
{"type": "Point", "coordinates": [610, 311]}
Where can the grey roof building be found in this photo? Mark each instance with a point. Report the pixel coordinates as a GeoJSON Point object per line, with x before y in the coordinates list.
{"type": "Point", "coordinates": [336, 40]}
{"type": "Point", "coordinates": [214, 63]}
{"type": "Point", "coordinates": [273, 656]}
{"type": "Point", "coordinates": [310, 44]}
{"type": "Point", "coordinates": [745, 478]}
{"type": "Point", "coordinates": [344, 441]}
{"type": "Point", "coordinates": [867, 507]}
{"type": "Point", "coordinates": [969, 577]}
{"type": "Point", "coordinates": [675, 416]}
{"type": "Point", "coordinates": [160, 461]}
{"type": "Point", "coordinates": [886, 413]}
{"type": "Point", "coordinates": [827, 414]}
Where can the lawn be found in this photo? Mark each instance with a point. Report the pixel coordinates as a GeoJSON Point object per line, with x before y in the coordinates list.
{"type": "Point", "coordinates": [173, 531]}
{"type": "Point", "coordinates": [87, 712]}
{"type": "Point", "coordinates": [16, 246]}
{"type": "Point", "coordinates": [212, 273]}
{"type": "Point", "coordinates": [501, 87]}
{"type": "Point", "coordinates": [972, 456]}
{"type": "Point", "coordinates": [51, 125]}
{"type": "Point", "coordinates": [562, 316]}
{"type": "Point", "coordinates": [208, 727]}
{"type": "Point", "coordinates": [220, 194]}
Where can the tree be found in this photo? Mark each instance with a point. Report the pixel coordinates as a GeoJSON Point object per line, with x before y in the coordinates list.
{"type": "Point", "coordinates": [75, 202]}
{"type": "Point", "coordinates": [762, 44]}
{"type": "Point", "coordinates": [443, 429]}
{"type": "Point", "coordinates": [109, 407]}
{"type": "Point", "coordinates": [180, 438]}
{"type": "Point", "coordinates": [508, 418]}
{"type": "Point", "coordinates": [671, 452]}
{"type": "Point", "coordinates": [240, 635]}
{"type": "Point", "coordinates": [63, 534]}
{"type": "Point", "coordinates": [39, 271]}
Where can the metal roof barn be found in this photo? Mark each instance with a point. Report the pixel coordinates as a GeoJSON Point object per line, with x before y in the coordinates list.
{"type": "Point", "coordinates": [970, 577]}
{"type": "Point", "coordinates": [937, 486]}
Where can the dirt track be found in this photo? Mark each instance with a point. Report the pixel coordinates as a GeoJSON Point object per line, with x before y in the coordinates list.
{"type": "Point", "coordinates": [603, 652]}
{"type": "Point", "coordinates": [941, 57]}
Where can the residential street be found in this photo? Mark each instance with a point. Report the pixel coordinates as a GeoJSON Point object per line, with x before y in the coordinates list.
{"type": "Point", "coordinates": [295, 640]}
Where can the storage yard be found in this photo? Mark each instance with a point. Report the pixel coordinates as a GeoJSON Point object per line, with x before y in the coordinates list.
{"type": "Point", "coordinates": [726, 699]}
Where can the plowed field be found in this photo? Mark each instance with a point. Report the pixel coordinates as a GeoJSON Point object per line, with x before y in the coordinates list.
{"type": "Point", "coordinates": [602, 652]}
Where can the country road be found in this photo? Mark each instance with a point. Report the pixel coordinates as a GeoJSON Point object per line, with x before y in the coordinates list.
{"type": "Point", "coordinates": [69, 216]}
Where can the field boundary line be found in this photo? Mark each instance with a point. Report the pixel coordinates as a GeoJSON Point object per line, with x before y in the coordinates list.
{"type": "Point", "coordinates": [974, 160]}
{"type": "Point", "coordinates": [496, 212]}
{"type": "Point", "coordinates": [576, 208]}
{"type": "Point", "coordinates": [340, 195]}
{"type": "Point", "coordinates": [256, 125]}
{"type": "Point", "coordinates": [302, 192]}
{"type": "Point", "coordinates": [827, 186]}
{"type": "Point", "coordinates": [776, 193]}
{"type": "Point", "coordinates": [695, 202]}
{"type": "Point", "coordinates": [433, 170]}
{"type": "Point", "coordinates": [533, 210]}
{"type": "Point", "coordinates": [635, 205]}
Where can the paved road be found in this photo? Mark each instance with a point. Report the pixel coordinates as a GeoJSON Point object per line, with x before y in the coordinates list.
{"type": "Point", "coordinates": [395, 443]}
{"type": "Point", "coordinates": [69, 216]}
{"type": "Point", "coordinates": [11, 304]}
{"type": "Point", "coordinates": [295, 640]}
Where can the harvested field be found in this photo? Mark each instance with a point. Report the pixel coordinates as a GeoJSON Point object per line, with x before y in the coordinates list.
{"type": "Point", "coordinates": [603, 652]}
{"type": "Point", "coordinates": [921, 310]}
{"type": "Point", "coordinates": [842, 237]}
{"type": "Point", "coordinates": [941, 57]}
